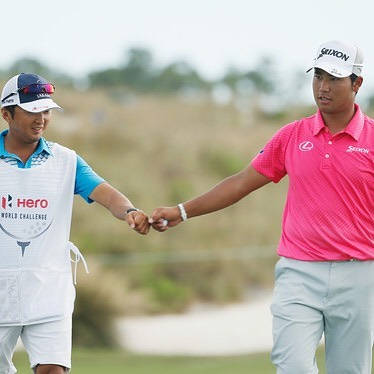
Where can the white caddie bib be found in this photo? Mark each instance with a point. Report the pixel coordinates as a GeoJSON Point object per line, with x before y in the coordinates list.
{"type": "Point", "coordinates": [35, 217]}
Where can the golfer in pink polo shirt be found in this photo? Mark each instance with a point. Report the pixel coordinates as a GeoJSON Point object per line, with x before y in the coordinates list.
{"type": "Point", "coordinates": [324, 280]}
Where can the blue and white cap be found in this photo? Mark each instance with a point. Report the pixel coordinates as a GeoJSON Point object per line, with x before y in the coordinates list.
{"type": "Point", "coordinates": [31, 102]}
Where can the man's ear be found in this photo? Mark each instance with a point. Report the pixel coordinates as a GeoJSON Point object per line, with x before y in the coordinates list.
{"type": "Point", "coordinates": [6, 114]}
{"type": "Point", "coordinates": [357, 84]}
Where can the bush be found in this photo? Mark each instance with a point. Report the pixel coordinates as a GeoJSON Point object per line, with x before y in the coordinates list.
{"type": "Point", "coordinates": [168, 296]}
{"type": "Point", "coordinates": [100, 300]}
{"type": "Point", "coordinates": [180, 190]}
{"type": "Point", "coordinates": [222, 163]}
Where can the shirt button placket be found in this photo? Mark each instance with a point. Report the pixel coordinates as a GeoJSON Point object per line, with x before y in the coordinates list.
{"type": "Point", "coordinates": [326, 161]}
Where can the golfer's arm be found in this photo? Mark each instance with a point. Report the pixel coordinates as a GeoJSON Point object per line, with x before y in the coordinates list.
{"type": "Point", "coordinates": [112, 199]}
{"type": "Point", "coordinates": [226, 193]}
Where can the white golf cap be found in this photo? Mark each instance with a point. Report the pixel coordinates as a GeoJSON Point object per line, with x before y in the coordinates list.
{"type": "Point", "coordinates": [31, 92]}
{"type": "Point", "coordinates": [339, 59]}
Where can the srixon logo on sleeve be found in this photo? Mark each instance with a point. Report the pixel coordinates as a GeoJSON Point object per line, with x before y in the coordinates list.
{"type": "Point", "coordinates": [333, 52]}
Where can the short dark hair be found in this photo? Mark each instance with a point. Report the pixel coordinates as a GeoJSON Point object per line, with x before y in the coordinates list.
{"type": "Point", "coordinates": [353, 77]}
{"type": "Point", "coordinates": [11, 109]}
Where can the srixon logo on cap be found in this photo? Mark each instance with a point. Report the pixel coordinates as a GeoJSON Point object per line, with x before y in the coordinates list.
{"type": "Point", "coordinates": [333, 52]}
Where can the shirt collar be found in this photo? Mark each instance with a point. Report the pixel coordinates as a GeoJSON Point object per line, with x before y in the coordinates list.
{"type": "Point", "coordinates": [42, 146]}
{"type": "Point", "coordinates": [354, 127]}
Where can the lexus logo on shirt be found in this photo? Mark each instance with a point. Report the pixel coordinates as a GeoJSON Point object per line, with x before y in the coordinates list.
{"type": "Point", "coordinates": [306, 146]}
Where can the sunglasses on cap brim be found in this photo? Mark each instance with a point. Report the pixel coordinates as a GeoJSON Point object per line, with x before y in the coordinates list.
{"type": "Point", "coordinates": [32, 89]}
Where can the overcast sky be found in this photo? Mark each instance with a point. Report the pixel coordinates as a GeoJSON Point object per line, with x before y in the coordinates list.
{"type": "Point", "coordinates": [78, 36]}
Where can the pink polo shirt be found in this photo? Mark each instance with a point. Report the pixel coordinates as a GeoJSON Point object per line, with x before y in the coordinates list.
{"type": "Point", "coordinates": [329, 211]}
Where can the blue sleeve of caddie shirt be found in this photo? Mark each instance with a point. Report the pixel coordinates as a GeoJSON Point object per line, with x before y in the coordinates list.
{"type": "Point", "coordinates": [86, 180]}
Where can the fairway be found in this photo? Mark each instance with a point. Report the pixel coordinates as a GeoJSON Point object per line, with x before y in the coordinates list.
{"type": "Point", "coordinates": [113, 362]}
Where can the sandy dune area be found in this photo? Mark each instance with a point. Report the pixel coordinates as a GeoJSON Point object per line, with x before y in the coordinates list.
{"type": "Point", "coordinates": [230, 330]}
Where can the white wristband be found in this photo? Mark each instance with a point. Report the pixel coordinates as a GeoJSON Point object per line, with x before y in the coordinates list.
{"type": "Point", "coordinates": [183, 212]}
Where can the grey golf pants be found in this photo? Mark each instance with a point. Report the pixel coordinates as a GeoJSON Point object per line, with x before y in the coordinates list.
{"type": "Point", "coordinates": [315, 298]}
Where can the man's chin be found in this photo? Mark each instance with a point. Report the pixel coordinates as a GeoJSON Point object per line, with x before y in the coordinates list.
{"type": "Point", "coordinates": [33, 139]}
{"type": "Point", "coordinates": [326, 107]}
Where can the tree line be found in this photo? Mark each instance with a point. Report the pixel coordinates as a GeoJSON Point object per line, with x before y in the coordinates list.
{"type": "Point", "coordinates": [138, 73]}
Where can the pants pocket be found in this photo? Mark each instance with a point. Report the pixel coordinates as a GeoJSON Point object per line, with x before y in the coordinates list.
{"type": "Point", "coordinates": [9, 300]}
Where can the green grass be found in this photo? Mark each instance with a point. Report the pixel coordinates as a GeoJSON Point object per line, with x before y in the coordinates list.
{"type": "Point", "coordinates": [118, 362]}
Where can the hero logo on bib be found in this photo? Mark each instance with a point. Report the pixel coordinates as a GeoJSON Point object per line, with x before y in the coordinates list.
{"type": "Point", "coordinates": [24, 218]}
{"type": "Point", "coordinates": [306, 146]}
{"type": "Point", "coordinates": [7, 202]}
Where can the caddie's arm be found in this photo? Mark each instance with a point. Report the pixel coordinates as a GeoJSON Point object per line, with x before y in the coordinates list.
{"type": "Point", "coordinates": [121, 207]}
{"type": "Point", "coordinates": [224, 194]}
